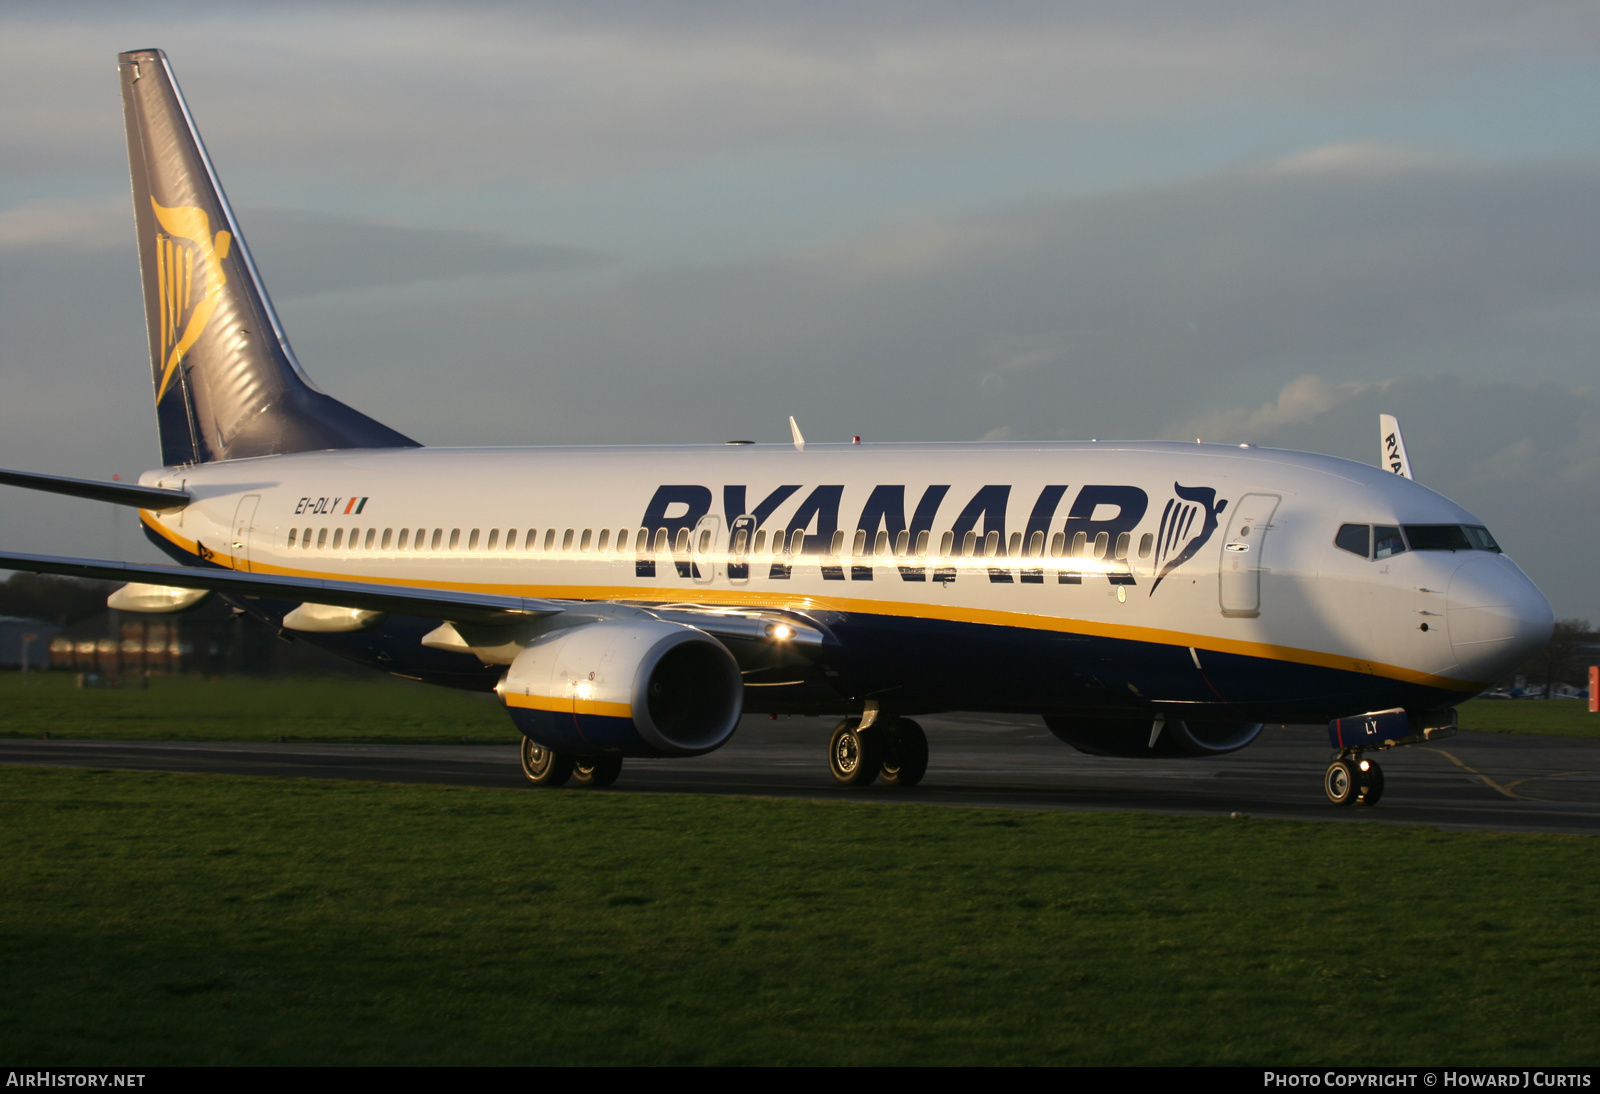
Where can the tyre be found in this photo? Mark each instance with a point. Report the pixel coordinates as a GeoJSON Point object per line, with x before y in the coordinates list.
{"type": "Point", "coordinates": [596, 770]}
{"type": "Point", "coordinates": [853, 754]}
{"type": "Point", "coordinates": [1341, 782]}
{"type": "Point", "coordinates": [543, 767]}
{"type": "Point", "coordinates": [907, 760]}
{"type": "Point", "coordinates": [1371, 785]}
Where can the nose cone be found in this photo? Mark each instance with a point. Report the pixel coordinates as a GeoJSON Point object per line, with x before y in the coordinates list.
{"type": "Point", "coordinates": [1497, 617]}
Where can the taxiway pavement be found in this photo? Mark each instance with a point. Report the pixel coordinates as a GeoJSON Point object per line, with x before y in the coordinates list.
{"type": "Point", "coordinates": [1474, 780]}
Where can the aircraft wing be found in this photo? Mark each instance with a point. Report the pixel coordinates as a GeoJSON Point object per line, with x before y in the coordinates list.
{"type": "Point", "coordinates": [445, 604]}
{"type": "Point", "coordinates": [426, 603]}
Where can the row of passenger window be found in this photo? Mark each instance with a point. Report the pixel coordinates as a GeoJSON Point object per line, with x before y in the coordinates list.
{"type": "Point", "coordinates": [440, 539]}
{"type": "Point", "coordinates": [1384, 540]}
{"type": "Point", "coordinates": [776, 544]}
{"type": "Point", "coordinates": [989, 546]}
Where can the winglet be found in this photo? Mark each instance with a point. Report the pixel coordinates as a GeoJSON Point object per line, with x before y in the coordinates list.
{"type": "Point", "coordinates": [799, 441]}
{"type": "Point", "coordinates": [1393, 446]}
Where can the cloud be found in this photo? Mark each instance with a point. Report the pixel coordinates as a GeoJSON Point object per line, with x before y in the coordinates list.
{"type": "Point", "coordinates": [1272, 302]}
{"type": "Point", "coordinates": [307, 254]}
{"type": "Point", "coordinates": [922, 247]}
{"type": "Point", "coordinates": [558, 93]}
{"type": "Point", "coordinates": [1356, 157]}
{"type": "Point", "coordinates": [1523, 458]}
{"type": "Point", "coordinates": [1298, 402]}
{"type": "Point", "coordinates": [67, 224]}
{"type": "Point", "coordinates": [1112, 316]}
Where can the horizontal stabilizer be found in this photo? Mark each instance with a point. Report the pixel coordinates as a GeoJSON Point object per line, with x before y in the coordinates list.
{"type": "Point", "coordinates": [425, 603]}
{"type": "Point", "coordinates": [117, 493]}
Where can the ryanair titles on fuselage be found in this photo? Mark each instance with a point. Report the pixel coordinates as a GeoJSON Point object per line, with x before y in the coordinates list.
{"type": "Point", "coordinates": [1099, 523]}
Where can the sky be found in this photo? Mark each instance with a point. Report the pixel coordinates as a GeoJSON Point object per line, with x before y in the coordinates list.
{"type": "Point", "coordinates": [613, 223]}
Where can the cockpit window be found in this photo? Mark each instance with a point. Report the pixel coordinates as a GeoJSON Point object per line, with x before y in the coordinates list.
{"type": "Point", "coordinates": [1386, 541]}
{"type": "Point", "coordinates": [1355, 538]}
{"type": "Point", "coordinates": [1437, 537]}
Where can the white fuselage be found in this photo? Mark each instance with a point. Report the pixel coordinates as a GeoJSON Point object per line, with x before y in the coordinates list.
{"type": "Point", "coordinates": [1264, 581]}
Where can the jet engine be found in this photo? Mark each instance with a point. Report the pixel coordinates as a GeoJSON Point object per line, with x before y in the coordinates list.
{"type": "Point", "coordinates": [635, 687]}
{"type": "Point", "coordinates": [1132, 737]}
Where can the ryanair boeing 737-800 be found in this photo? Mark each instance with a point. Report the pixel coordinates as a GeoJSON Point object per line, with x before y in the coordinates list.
{"type": "Point", "coordinates": [1146, 599]}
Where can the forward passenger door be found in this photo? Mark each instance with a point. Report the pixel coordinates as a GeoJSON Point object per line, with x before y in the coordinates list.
{"type": "Point", "coordinates": [1243, 554]}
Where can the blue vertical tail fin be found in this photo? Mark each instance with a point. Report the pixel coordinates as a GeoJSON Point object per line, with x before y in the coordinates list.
{"type": "Point", "coordinates": [227, 384]}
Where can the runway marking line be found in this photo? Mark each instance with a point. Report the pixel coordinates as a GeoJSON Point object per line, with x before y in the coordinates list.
{"type": "Point", "coordinates": [1487, 781]}
{"type": "Point", "coordinates": [1557, 775]}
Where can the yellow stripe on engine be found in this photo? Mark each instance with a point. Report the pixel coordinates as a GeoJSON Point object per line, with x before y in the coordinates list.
{"type": "Point", "coordinates": [566, 704]}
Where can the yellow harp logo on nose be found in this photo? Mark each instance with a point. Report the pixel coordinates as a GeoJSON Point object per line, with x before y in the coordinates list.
{"type": "Point", "coordinates": [190, 279]}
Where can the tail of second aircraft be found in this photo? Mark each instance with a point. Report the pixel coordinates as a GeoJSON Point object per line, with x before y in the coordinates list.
{"type": "Point", "coordinates": [227, 384]}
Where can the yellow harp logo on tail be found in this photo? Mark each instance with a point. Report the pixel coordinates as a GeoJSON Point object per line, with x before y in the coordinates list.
{"type": "Point", "coordinates": [190, 279]}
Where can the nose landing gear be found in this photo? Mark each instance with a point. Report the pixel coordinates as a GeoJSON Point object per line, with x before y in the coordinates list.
{"type": "Point", "coordinates": [1351, 780]}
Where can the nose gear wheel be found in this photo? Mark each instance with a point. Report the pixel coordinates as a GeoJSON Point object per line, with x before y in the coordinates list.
{"type": "Point", "coordinates": [1341, 782]}
{"type": "Point", "coordinates": [1350, 780]}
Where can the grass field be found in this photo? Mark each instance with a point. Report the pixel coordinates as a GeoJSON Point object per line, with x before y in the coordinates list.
{"type": "Point", "coordinates": [164, 919]}
{"type": "Point", "coordinates": [377, 709]}
{"type": "Point", "coordinates": [1563, 717]}
{"type": "Point", "coordinates": [373, 709]}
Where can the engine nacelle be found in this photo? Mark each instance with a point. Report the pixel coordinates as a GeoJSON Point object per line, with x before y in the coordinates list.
{"type": "Point", "coordinates": [1131, 738]}
{"type": "Point", "coordinates": [633, 687]}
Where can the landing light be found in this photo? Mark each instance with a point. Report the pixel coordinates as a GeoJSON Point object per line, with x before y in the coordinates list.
{"type": "Point", "coordinates": [1366, 765]}
{"type": "Point", "coordinates": [585, 689]}
{"type": "Point", "coordinates": [781, 631]}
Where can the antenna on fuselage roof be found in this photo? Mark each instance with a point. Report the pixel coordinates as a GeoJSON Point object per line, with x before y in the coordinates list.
{"type": "Point", "coordinates": [799, 441]}
{"type": "Point", "coordinates": [1392, 456]}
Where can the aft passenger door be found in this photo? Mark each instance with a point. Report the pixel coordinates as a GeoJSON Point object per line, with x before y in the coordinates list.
{"type": "Point", "coordinates": [243, 518]}
{"type": "Point", "coordinates": [1243, 551]}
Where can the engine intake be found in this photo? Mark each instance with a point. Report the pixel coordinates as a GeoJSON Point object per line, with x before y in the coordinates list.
{"type": "Point", "coordinates": [635, 688]}
{"type": "Point", "coordinates": [1131, 737]}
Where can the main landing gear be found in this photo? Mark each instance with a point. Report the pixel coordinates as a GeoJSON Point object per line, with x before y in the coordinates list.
{"type": "Point", "coordinates": [1352, 780]}
{"type": "Point", "coordinates": [895, 751]}
{"type": "Point", "coordinates": [546, 768]}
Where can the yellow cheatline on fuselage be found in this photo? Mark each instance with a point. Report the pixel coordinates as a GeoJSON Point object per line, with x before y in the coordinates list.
{"type": "Point", "coordinates": [750, 598]}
